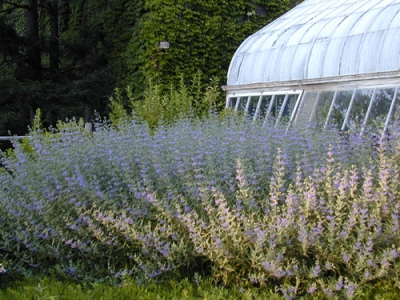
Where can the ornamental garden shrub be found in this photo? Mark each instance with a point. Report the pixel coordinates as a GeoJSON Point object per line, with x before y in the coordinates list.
{"type": "Point", "coordinates": [302, 211]}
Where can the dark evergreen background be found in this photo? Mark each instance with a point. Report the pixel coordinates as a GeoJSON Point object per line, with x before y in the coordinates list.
{"type": "Point", "coordinates": [67, 56]}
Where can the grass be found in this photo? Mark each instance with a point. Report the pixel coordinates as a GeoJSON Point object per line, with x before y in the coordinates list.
{"type": "Point", "coordinates": [53, 289]}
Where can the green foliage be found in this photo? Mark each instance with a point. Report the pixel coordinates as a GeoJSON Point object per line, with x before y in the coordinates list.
{"type": "Point", "coordinates": [106, 44]}
{"type": "Point", "coordinates": [118, 113]}
{"type": "Point", "coordinates": [199, 288]}
{"type": "Point", "coordinates": [87, 52]}
{"type": "Point", "coordinates": [51, 289]}
{"type": "Point", "coordinates": [101, 30]}
{"type": "Point", "coordinates": [211, 101]}
{"type": "Point", "coordinates": [26, 145]}
{"type": "Point", "coordinates": [203, 36]}
{"type": "Point", "coordinates": [165, 106]}
{"type": "Point", "coordinates": [27, 148]}
{"type": "Point", "coordinates": [37, 121]}
{"type": "Point", "coordinates": [152, 108]}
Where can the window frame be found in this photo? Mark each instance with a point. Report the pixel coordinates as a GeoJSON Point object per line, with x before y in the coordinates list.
{"type": "Point", "coordinates": [249, 95]}
{"type": "Point", "coordinates": [261, 94]}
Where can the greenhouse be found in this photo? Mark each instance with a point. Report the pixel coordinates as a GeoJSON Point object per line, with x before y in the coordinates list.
{"type": "Point", "coordinates": [325, 62]}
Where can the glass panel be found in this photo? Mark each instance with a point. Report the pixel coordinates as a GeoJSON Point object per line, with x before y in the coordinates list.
{"type": "Point", "coordinates": [307, 110]}
{"type": "Point", "coordinates": [242, 103]}
{"type": "Point", "coordinates": [253, 105]}
{"type": "Point", "coordinates": [394, 122]}
{"type": "Point", "coordinates": [288, 109]}
{"type": "Point", "coordinates": [265, 101]}
{"type": "Point", "coordinates": [379, 110]}
{"type": "Point", "coordinates": [322, 108]}
{"type": "Point", "coordinates": [340, 107]}
{"type": "Point", "coordinates": [359, 109]}
{"type": "Point", "coordinates": [232, 102]}
{"type": "Point", "coordinates": [279, 102]}
{"type": "Point", "coordinates": [276, 107]}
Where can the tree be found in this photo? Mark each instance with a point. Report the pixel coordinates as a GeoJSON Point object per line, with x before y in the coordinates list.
{"type": "Point", "coordinates": [54, 51]}
{"type": "Point", "coordinates": [47, 61]}
{"type": "Point", "coordinates": [67, 56]}
{"type": "Point", "coordinates": [33, 49]}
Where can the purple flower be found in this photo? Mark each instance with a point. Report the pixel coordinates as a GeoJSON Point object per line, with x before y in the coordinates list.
{"type": "Point", "coordinates": [369, 246]}
{"type": "Point", "coordinates": [327, 291]}
{"type": "Point", "coordinates": [279, 273]}
{"type": "Point", "coordinates": [315, 271]}
{"type": "Point", "coordinates": [350, 289]}
{"type": "Point", "coordinates": [312, 289]}
{"type": "Point", "coordinates": [330, 218]}
{"type": "Point", "coordinates": [339, 284]}
{"type": "Point", "coordinates": [367, 275]}
{"type": "Point", "coordinates": [394, 254]}
{"type": "Point", "coordinates": [218, 242]}
{"type": "Point", "coordinates": [150, 198]}
{"type": "Point", "coordinates": [346, 258]}
{"type": "Point", "coordinates": [73, 227]}
{"type": "Point", "coordinates": [225, 225]}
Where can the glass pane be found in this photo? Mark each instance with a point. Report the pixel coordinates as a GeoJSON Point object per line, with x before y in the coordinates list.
{"type": "Point", "coordinates": [276, 107]}
{"type": "Point", "coordinates": [232, 102]}
{"type": "Point", "coordinates": [253, 105]}
{"type": "Point", "coordinates": [379, 110]}
{"type": "Point", "coordinates": [288, 109]}
{"type": "Point", "coordinates": [279, 102]}
{"type": "Point", "coordinates": [265, 101]}
{"type": "Point", "coordinates": [242, 103]}
{"type": "Point", "coordinates": [322, 108]}
{"type": "Point", "coordinates": [359, 109]}
{"type": "Point", "coordinates": [307, 107]}
{"type": "Point", "coordinates": [340, 107]}
{"type": "Point", "coordinates": [394, 122]}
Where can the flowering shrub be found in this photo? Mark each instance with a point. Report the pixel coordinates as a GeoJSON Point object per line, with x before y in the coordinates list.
{"type": "Point", "coordinates": [302, 210]}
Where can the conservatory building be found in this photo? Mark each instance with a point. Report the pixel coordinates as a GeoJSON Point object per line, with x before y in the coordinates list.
{"type": "Point", "coordinates": [326, 62]}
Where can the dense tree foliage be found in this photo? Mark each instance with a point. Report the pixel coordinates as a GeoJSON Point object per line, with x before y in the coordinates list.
{"type": "Point", "coordinates": [61, 56]}
{"type": "Point", "coordinates": [67, 56]}
{"type": "Point", "coordinates": [202, 35]}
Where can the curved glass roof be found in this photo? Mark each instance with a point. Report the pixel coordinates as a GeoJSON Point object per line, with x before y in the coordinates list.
{"type": "Point", "coordinates": [322, 38]}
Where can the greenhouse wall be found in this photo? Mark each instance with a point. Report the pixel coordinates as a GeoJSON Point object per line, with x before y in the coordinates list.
{"type": "Point", "coordinates": [329, 63]}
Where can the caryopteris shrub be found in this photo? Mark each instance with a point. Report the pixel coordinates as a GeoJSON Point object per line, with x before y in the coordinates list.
{"type": "Point", "coordinates": [301, 211]}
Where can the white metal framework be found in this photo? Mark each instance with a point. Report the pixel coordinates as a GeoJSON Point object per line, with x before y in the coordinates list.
{"type": "Point", "coordinates": [271, 107]}
{"type": "Point", "coordinates": [322, 38]}
{"type": "Point", "coordinates": [331, 62]}
{"type": "Point", "coordinates": [367, 109]}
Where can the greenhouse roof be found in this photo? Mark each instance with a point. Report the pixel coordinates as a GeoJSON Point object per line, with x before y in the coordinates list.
{"type": "Point", "coordinates": [322, 39]}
